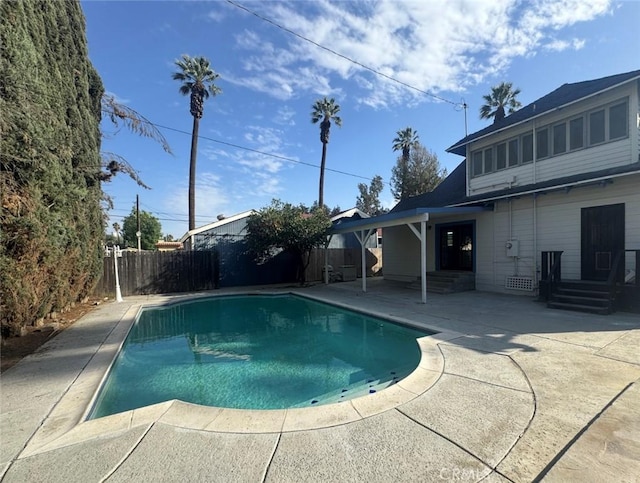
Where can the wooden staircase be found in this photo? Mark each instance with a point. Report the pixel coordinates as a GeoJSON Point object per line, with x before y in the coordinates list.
{"type": "Point", "coordinates": [583, 296]}
{"type": "Point", "coordinates": [447, 281]}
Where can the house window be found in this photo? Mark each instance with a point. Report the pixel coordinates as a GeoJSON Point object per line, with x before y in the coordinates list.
{"type": "Point", "coordinates": [576, 133]}
{"type": "Point", "coordinates": [527, 148]}
{"type": "Point", "coordinates": [618, 121]}
{"type": "Point", "coordinates": [501, 156]}
{"type": "Point", "coordinates": [542, 143]}
{"type": "Point", "coordinates": [488, 160]}
{"type": "Point", "coordinates": [596, 127]}
{"type": "Point", "coordinates": [476, 163]}
{"type": "Point", "coordinates": [559, 138]}
{"type": "Point", "coordinates": [513, 152]}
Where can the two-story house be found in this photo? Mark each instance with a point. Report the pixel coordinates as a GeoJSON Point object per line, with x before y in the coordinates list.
{"type": "Point", "coordinates": [562, 174]}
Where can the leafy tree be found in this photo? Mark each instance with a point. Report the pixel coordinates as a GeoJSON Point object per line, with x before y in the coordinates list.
{"type": "Point", "coordinates": [150, 230]}
{"type": "Point", "coordinates": [503, 96]}
{"type": "Point", "coordinates": [283, 226]}
{"type": "Point", "coordinates": [324, 110]}
{"type": "Point", "coordinates": [197, 79]}
{"type": "Point", "coordinates": [420, 175]}
{"type": "Point", "coordinates": [368, 200]}
{"type": "Point", "coordinates": [330, 211]}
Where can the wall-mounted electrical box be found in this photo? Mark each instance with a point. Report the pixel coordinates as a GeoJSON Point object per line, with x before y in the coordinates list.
{"type": "Point", "coordinates": [512, 247]}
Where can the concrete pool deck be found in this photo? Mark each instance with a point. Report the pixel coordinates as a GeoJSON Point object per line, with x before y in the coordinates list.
{"type": "Point", "coordinates": [509, 391]}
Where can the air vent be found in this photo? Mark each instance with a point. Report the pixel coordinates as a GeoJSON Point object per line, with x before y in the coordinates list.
{"type": "Point", "coordinates": [519, 283]}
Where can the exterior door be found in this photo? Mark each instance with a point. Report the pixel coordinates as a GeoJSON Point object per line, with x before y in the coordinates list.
{"type": "Point", "coordinates": [456, 247]}
{"type": "Point", "coordinates": [602, 238]}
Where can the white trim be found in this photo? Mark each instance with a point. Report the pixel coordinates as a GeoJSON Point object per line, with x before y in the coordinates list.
{"type": "Point", "coordinates": [549, 188]}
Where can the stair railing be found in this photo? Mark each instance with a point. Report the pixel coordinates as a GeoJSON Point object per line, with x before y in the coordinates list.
{"type": "Point", "coordinates": [551, 274]}
{"type": "Point", "coordinates": [616, 276]}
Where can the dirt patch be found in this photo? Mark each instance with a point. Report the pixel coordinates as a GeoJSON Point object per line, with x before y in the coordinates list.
{"type": "Point", "coordinates": [13, 349]}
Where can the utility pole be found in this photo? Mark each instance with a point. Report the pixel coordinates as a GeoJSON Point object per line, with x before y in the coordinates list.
{"type": "Point", "coordinates": [138, 233]}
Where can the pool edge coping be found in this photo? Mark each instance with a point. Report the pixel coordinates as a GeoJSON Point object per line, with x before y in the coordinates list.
{"type": "Point", "coordinates": [66, 424]}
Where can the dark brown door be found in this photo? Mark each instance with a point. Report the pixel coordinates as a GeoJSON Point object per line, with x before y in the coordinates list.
{"type": "Point", "coordinates": [456, 247]}
{"type": "Point", "coordinates": [602, 238]}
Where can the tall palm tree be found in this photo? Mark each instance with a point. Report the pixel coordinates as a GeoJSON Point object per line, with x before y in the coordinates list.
{"type": "Point", "coordinates": [503, 96]}
{"type": "Point", "coordinates": [116, 230]}
{"type": "Point", "coordinates": [406, 140]}
{"type": "Point", "coordinates": [326, 110]}
{"type": "Point", "coordinates": [197, 79]}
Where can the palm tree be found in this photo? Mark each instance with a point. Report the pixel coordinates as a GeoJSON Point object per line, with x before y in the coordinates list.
{"type": "Point", "coordinates": [406, 139]}
{"type": "Point", "coordinates": [116, 230]}
{"type": "Point", "coordinates": [502, 96]}
{"type": "Point", "coordinates": [325, 110]}
{"type": "Point", "coordinates": [197, 79]}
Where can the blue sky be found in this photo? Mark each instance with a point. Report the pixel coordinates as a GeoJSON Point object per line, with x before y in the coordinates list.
{"type": "Point", "coordinates": [455, 50]}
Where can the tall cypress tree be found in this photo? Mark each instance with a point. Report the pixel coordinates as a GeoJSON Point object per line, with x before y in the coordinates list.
{"type": "Point", "coordinates": [51, 220]}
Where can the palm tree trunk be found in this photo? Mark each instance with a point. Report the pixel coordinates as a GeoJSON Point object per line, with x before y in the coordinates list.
{"type": "Point", "coordinates": [321, 189]}
{"type": "Point", "coordinates": [192, 173]}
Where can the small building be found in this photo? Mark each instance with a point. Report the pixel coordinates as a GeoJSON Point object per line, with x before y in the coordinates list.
{"type": "Point", "coordinates": [237, 266]}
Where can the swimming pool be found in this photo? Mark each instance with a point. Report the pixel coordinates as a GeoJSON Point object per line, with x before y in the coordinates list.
{"type": "Point", "coordinates": [256, 352]}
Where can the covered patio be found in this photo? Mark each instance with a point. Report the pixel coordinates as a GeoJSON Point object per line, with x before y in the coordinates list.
{"type": "Point", "coordinates": [416, 219]}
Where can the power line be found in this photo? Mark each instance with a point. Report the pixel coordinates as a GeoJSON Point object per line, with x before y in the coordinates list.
{"type": "Point", "coordinates": [342, 56]}
{"type": "Point", "coordinates": [277, 156]}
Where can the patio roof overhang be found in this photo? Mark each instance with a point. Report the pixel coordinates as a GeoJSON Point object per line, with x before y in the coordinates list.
{"type": "Point", "coordinates": [365, 227]}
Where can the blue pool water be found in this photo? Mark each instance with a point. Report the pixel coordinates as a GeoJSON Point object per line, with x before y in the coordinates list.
{"type": "Point", "coordinates": [256, 352]}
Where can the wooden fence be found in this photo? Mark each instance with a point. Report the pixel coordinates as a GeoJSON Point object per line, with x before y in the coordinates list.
{"type": "Point", "coordinates": [161, 272]}
{"type": "Point", "coordinates": [189, 271]}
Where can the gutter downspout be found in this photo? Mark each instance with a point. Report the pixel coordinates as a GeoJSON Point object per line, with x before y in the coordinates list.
{"type": "Point", "coordinates": [534, 265]}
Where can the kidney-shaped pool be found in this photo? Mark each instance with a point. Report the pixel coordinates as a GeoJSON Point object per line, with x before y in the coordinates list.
{"type": "Point", "coordinates": [256, 352]}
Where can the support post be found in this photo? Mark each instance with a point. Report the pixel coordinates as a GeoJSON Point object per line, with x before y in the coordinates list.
{"type": "Point", "coordinates": [362, 238]}
{"type": "Point", "coordinates": [116, 254]}
{"type": "Point", "coordinates": [422, 236]}
{"type": "Point", "coordinates": [423, 259]}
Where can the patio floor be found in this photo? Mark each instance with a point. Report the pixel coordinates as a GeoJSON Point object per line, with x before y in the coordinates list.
{"type": "Point", "coordinates": [507, 391]}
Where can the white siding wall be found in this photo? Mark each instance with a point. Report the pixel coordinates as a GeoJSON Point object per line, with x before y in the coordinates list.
{"type": "Point", "coordinates": [558, 228]}
{"type": "Point", "coordinates": [612, 154]}
{"type": "Point", "coordinates": [400, 254]}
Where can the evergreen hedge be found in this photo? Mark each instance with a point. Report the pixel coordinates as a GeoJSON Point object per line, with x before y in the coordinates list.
{"type": "Point", "coordinates": [51, 222]}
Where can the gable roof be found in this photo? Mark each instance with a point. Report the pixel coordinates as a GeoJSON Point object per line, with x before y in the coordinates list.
{"type": "Point", "coordinates": [216, 224]}
{"type": "Point", "coordinates": [452, 190]}
{"type": "Point", "coordinates": [353, 213]}
{"type": "Point", "coordinates": [563, 95]}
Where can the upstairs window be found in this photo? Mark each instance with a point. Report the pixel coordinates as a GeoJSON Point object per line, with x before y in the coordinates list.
{"type": "Point", "coordinates": [488, 160]}
{"type": "Point", "coordinates": [476, 168]}
{"type": "Point", "coordinates": [576, 133]}
{"type": "Point", "coordinates": [513, 152]}
{"type": "Point", "coordinates": [618, 121]}
{"type": "Point", "coordinates": [559, 138]}
{"type": "Point", "coordinates": [501, 156]}
{"type": "Point", "coordinates": [527, 148]}
{"type": "Point", "coordinates": [596, 127]}
{"type": "Point", "coordinates": [542, 143]}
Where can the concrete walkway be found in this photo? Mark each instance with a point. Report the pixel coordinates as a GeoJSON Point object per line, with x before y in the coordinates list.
{"type": "Point", "coordinates": [508, 391]}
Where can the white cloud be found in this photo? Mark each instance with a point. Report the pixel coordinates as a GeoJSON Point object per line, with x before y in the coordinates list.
{"type": "Point", "coordinates": [560, 45]}
{"type": "Point", "coordinates": [436, 46]}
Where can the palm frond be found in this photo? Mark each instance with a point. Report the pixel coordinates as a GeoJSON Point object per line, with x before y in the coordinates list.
{"type": "Point", "coordinates": [133, 120]}
{"type": "Point", "coordinates": [114, 164]}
